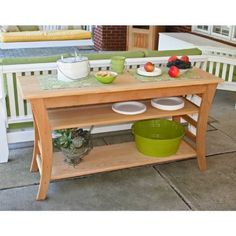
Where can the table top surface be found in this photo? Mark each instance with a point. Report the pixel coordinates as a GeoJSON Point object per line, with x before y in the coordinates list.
{"type": "Point", "coordinates": [31, 89]}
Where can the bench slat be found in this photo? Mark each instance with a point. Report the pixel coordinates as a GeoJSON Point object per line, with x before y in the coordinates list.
{"type": "Point", "coordinates": [211, 67]}
{"type": "Point", "coordinates": [224, 71]}
{"type": "Point", "coordinates": [21, 106]}
{"type": "Point", "coordinates": [217, 73]}
{"type": "Point", "coordinates": [11, 94]}
{"type": "Point", "coordinates": [28, 106]}
{"type": "Point", "coordinates": [231, 72]}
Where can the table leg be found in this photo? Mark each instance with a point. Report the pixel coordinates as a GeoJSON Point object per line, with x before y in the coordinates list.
{"type": "Point", "coordinates": [207, 98]}
{"type": "Point", "coordinates": [45, 138]}
{"type": "Point", "coordinates": [34, 166]}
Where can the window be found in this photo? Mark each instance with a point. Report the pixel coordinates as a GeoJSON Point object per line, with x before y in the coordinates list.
{"type": "Point", "coordinates": [234, 33]}
{"type": "Point", "coordinates": [203, 27]}
{"type": "Point", "coordinates": [221, 30]}
{"type": "Point", "coordinates": [225, 32]}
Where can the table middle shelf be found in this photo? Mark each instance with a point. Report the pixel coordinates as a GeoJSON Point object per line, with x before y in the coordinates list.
{"type": "Point", "coordinates": [85, 116]}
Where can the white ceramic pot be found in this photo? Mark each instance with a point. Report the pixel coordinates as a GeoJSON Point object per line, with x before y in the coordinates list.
{"type": "Point", "coordinates": [73, 68]}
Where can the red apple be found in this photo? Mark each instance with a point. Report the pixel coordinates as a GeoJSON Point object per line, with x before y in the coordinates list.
{"type": "Point", "coordinates": [149, 67]}
{"type": "Point", "coordinates": [185, 59]}
{"type": "Point", "coordinates": [174, 71]}
{"type": "Point", "coordinates": [172, 58]}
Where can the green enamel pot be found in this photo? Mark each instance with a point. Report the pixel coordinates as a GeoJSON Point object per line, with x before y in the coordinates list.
{"type": "Point", "coordinates": [157, 137]}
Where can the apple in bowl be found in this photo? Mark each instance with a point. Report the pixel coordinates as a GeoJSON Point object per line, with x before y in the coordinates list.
{"type": "Point", "coordinates": [183, 63]}
{"type": "Point", "coordinates": [172, 58]}
{"type": "Point", "coordinates": [185, 59]}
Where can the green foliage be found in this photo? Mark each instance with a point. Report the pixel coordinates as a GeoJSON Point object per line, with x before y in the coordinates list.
{"type": "Point", "coordinates": [72, 138]}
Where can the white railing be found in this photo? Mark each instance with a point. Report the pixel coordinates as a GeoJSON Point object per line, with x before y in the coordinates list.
{"type": "Point", "coordinates": [225, 68]}
{"type": "Point", "coordinates": [20, 111]}
{"type": "Point", "coordinates": [214, 51]}
{"type": "Point", "coordinates": [65, 27]}
{"type": "Point", "coordinates": [52, 27]}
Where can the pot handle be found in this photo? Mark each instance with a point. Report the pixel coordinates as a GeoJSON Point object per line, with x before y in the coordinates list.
{"type": "Point", "coordinates": [67, 75]}
{"type": "Point", "coordinates": [89, 67]}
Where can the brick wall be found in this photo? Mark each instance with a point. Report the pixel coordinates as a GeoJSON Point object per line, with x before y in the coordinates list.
{"type": "Point", "coordinates": [178, 28]}
{"type": "Point", "coordinates": [110, 38]}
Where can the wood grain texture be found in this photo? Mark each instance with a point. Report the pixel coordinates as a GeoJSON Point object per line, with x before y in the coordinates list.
{"type": "Point", "coordinates": [202, 125]}
{"type": "Point", "coordinates": [113, 157]}
{"type": "Point", "coordinates": [34, 166]}
{"type": "Point", "coordinates": [138, 38]}
{"type": "Point", "coordinates": [190, 120]}
{"type": "Point", "coordinates": [118, 96]}
{"type": "Point", "coordinates": [44, 129]}
{"type": "Point", "coordinates": [190, 135]}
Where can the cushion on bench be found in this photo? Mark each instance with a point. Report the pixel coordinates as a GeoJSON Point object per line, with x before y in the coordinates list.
{"type": "Point", "coordinates": [52, 35]}
{"type": "Point", "coordinates": [32, 60]}
{"type": "Point", "coordinates": [109, 55]}
{"type": "Point", "coordinates": [165, 53]}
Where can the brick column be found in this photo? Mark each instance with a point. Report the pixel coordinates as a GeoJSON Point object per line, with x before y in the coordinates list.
{"type": "Point", "coordinates": [110, 38]}
{"type": "Point", "coordinates": [179, 28]}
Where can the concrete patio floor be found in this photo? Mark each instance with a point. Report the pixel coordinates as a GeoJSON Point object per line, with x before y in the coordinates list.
{"type": "Point", "coordinates": [174, 186]}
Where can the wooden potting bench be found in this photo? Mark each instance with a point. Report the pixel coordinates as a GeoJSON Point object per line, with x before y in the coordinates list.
{"type": "Point", "coordinates": [83, 107]}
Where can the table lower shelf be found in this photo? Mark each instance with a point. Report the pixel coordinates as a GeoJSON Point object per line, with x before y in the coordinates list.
{"type": "Point", "coordinates": [112, 157]}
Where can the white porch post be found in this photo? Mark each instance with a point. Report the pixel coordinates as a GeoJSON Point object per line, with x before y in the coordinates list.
{"type": "Point", "coordinates": [4, 151]}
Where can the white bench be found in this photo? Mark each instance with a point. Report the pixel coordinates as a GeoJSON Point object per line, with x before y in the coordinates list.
{"type": "Point", "coordinates": [21, 112]}
{"type": "Point", "coordinates": [49, 44]}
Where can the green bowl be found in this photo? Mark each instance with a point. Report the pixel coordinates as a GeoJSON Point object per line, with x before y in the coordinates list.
{"type": "Point", "coordinates": [106, 79]}
{"type": "Point", "coordinates": [157, 138]}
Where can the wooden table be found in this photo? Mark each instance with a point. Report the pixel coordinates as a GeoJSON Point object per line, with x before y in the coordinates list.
{"type": "Point", "coordinates": [81, 107]}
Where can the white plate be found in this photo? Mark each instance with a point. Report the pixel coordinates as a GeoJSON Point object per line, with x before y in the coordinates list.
{"type": "Point", "coordinates": [142, 71]}
{"type": "Point", "coordinates": [129, 108]}
{"type": "Point", "coordinates": [168, 103]}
